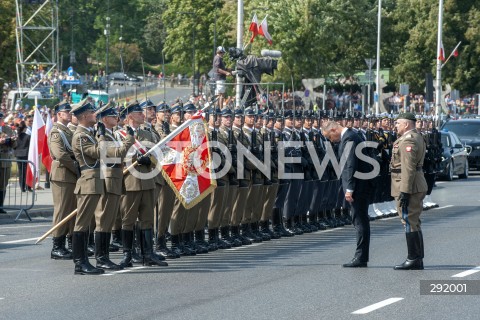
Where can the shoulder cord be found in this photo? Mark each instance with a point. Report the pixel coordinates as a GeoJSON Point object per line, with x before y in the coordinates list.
{"type": "Point", "coordinates": [83, 157]}
{"type": "Point", "coordinates": [65, 140]}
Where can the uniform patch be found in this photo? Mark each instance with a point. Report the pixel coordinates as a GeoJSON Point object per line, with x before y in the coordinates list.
{"type": "Point", "coordinates": [408, 148]}
{"type": "Point", "coordinates": [55, 135]}
{"type": "Point", "coordinates": [84, 139]}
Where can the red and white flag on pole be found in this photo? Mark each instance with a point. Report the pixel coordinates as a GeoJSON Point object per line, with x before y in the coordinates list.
{"type": "Point", "coordinates": [36, 142]}
{"type": "Point", "coordinates": [254, 27]}
{"type": "Point", "coordinates": [263, 30]}
{"type": "Point", "coordinates": [441, 53]}
{"type": "Point", "coordinates": [46, 157]}
{"type": "Point", "coordinates": [186, 163]}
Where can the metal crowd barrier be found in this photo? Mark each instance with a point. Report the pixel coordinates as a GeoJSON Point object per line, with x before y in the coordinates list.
{"type": "Point", "coordinates": [12, 185]}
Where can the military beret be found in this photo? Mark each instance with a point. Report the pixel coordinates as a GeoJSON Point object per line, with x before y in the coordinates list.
{"type": "Point", "coordinates": [82, 106]}
{"type": "Point", "coordinates": [64, 105]}
{"type": "Point", "coordinates": [407, 116]}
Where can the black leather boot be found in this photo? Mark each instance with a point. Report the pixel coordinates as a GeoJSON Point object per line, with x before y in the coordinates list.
{"type": "Point", "coordinates": [162, 249]}
{"type": "Point", "coordinates": [190, 243]}
{"type": "Point", "coordinates": [338, 217]}
{"type": "Point", "coordinates": [59, 252]}
{"type": "Point", "coordinates": [415, 247]}
{"type": "Point", "coordinates": [236, 233]}
{"type": "Point", "coordinates": [200, 240]}
{"type": "Point", "coordinates": [304, 221]}
{"type": "Point", "coordinates": [91, 244]}
{"type": "Point", "coordinates": [2, 197]}
{"type": "Point", "coordinates": [69, 243]}
{"type": "Point", "coordinates": [146, 247]}
{"type": "Point", "coordinates": [292, 227]}
{"type": "Point", "coordinates": [225, 236]}
{"type": "Point", "coordinates": [264, 228]}
{"type": "Point", "coordinates": [80, 258]}
{"type": "Point", "coordinates": [117, 238]}
{"type": "Point", "coordinates": [221, 243]}
{"type": "Point", "coordinates": [346, 216]}
{"type": "Point", "coordinates": [177, 248]}
{"type": "Point", "coordinates": [137, 251]}
{"type": "Point", "coordinates": [212, 240]}
{"type": "Point", "coordinates": [102, 242]}
{"type": "Point", "coordinates": [127, 240]}
{"type": "Point", "coordinates": [331, 222]}
{"type": "Point", "coordinates": [278, 226]}
{"type": "Point", "coordinates": [247, 233]}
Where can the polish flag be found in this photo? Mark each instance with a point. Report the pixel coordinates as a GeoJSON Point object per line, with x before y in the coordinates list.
{"type": "Point", "coordinates": [36, 141]}
{"type": "Point", "coordinates": [263, 30]}
{"type": "Point", "coordinates": [46, 157]}
{"type": "Point", "coordinates": [254, 27]}
{"type": "Point", "coordinates": [441, 54]}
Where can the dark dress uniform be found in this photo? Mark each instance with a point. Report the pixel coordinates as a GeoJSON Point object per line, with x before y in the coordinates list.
{"type": "Point", "coordinates": [6, 152]}
{"type": "Point", "coordinates": [63, 178]}
{"type": "Point", "coordinates": [409, 188]}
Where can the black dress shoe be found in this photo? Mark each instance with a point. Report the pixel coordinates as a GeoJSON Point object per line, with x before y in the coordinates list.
{"type": "Point", "coordinates": [415, 264]}
{"type": "Point", "coordinates": [355, 263]}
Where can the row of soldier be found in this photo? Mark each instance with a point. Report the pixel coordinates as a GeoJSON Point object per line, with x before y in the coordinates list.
{"type": "Point", "coordinates": [238, 212]}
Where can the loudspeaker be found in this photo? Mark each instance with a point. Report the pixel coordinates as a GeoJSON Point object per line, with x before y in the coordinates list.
{"type": "Point", "coordinates": [428, 87]}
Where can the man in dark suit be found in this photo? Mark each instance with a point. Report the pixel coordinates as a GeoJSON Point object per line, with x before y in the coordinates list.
{"type": "Point", "coordinates": [356, 190]}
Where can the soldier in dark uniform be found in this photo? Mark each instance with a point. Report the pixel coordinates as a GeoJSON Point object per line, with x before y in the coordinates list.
{"type": "Point", "coordinates": [112, 174]}
{"type": "Point", "coordinates": [409, 187]}
{"type": "Point", "coordinates": [277, 215]}
{"type": "Point", "coordinates": [6, 151]}
{"type": "Point", "coordinates": [138, 202]}
{"type": "Point", "coordinates": [63, 177]}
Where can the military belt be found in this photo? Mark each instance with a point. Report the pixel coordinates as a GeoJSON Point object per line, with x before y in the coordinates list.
{"type": "Point", "coordinates": [400, 170]}
{"type": "Point", "coordinates": [83, 168]}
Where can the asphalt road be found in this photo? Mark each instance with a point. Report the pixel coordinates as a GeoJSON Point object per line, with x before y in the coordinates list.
{"type": "Point", "coordinates": [297, 278]}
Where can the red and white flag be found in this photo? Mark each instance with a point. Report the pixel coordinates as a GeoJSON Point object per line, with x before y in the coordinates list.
{"type": "Point", "coordinates": [186, 163]}
{"type": "Point", "coordinates": [254, 27]}
{"type": "Point", "coordinates": [441, 54]}
{"type": "Point", "coordinates": [36, 142]}
{"type": "Point", "coordinates": [263, 30]}
{"type": "Point", "coordinates": [46, 157]}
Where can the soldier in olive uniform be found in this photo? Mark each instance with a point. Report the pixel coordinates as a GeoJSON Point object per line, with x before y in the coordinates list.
{"type": "Point", "coordinates": [63, 177]}
{"type": "Point", "coordinates": [138, 202]}
{"type": "Point", "coordinates": [409, 187]}
{"type": "Point", "coordinates": [166, 197]}
{"type": "Point", "coordinates": [89, 186]}
{"type": "Point", "coordinates": [6, 150]}
{"type": "Point", "coordinates": [112, 174]}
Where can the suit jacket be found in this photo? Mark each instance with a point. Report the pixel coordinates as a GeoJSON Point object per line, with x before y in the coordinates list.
{"type": "Point", "coordinates": [353, 164]}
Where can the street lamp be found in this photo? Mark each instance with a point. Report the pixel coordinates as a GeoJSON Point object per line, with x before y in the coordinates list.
{"type": "Point", "coordinates": [193, 46]}
{"type": "Point", "coordinates": [107, 33]}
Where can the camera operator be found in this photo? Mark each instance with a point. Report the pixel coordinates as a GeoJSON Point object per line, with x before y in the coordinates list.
{"type": "Point", "coordinates": [221, 73]}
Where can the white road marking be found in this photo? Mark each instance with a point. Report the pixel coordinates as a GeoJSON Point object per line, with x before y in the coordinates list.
{"type": "Point", "coordinates": [466, 273]}
{"type": "Point", "coordinates": [2, 298]}
{"type": "Point", "coordinates": [122, 271]}
{"type": "Point", "coordinates": [377, 305]}
{"type": "Point", "coordinates": [450, 205]}
{"type": "Point", "coordinates": [20, 241]}
{"type": "Point", "coordinates": [29, 226]}
{"type": "Point", "coordinates": [243, 247]}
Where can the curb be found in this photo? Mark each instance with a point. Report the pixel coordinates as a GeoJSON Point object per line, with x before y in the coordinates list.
{"type": "Point", "coordinates": [12, 214]}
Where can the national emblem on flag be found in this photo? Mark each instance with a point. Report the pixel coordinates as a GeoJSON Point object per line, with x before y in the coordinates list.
{"type": "Point", "coordinates": [186, 163]}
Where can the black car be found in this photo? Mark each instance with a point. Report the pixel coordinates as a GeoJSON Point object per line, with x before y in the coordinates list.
{"type": "Point", "coordinates": [120, 78]}
{"type": "Point", "coordinates": [468, 130]}
{"type": "Point", "coordinates": [454, 157]}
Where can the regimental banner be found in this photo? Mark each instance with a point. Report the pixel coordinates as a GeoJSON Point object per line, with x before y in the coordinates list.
{"type": "Point", "coordinates": [186, 163]}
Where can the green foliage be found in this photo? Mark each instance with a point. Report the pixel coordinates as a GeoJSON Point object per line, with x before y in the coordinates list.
{"type": "Point", "coordinates": [318, 38]}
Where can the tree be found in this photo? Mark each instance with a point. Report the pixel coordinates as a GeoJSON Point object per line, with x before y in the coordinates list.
{"type": "Point", "coordinates": [7, 40]}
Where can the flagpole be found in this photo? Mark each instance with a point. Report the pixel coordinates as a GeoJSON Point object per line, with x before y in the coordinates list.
{"type": "Point", "coordinates": [377, 101]}
{"type": "Point", "coordinates": [238, 93]}
{"type": "Point", "coordinates": [158, 145]}
{"type": "Point", "coordinates": [451, 54]}
{"type": "Point", "coordinates": [438, 89]}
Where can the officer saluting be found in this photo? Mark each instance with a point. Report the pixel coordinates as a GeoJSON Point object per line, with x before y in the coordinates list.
{"type": "Point", "coordinates": [409, 186]}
